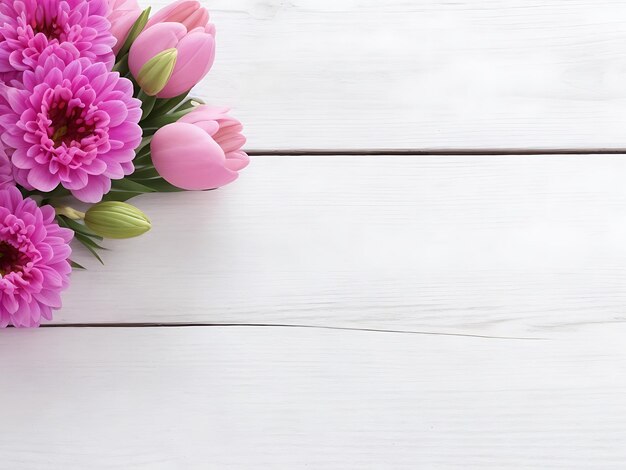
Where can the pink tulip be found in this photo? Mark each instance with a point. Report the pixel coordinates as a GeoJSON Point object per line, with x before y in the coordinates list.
{"type": "Point", "coordinates": [195, 48]}
{"type": "Point", "coordinates": [200, 151]}
{"type": "Point", "coordinates": [122, 15]}
{"type": "Point", "coordinates": [188, 12]}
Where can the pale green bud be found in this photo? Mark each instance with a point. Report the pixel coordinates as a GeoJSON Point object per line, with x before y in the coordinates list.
{"type": "Point", "coordinates": [113, 219]}
{"type": "Point", "coordinates": [156, 73]}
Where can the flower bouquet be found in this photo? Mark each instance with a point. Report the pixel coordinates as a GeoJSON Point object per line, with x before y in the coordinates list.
{"type": "Point", "coordinates": [94, 110]}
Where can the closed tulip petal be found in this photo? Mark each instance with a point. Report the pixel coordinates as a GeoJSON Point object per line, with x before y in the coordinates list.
{"type": "Point", "coordinates": [230, 141]}
{"type": "Point", "coordinates": [205, 113]}
{"type": "Point", "coordinates": [187, 157]}
{"type": "Point", "coordinates": [152, 41]}
{"type": "Point", "coordinates": [122, 15]}
{"type": "Point", "coordinates": [210, 127]}
{"type": "Point", "coordinates": [188, 12]}
{"type": "Point", "coordinates": [162, 15]}
{"type": "Point", "coordinates": [198, 19]}
{"type": "Point", "coordinates": [196, 53]}
{"type": "Point", "coordinates": [237, 161]}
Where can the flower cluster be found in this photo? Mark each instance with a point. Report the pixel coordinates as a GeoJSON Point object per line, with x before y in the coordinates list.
{"type": "Point", "coordinates": [95, 108]}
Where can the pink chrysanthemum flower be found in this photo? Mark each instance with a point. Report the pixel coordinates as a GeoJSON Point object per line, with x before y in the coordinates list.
{"type": "Point", "coordinates": [34, 261]}
{"type": "Point", "coordinates": [69, 29]}
{"type": "Point", "coordinates": [75, 126]}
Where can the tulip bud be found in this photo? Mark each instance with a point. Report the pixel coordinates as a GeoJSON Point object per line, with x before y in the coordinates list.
{"type": "Point", "coordinates": [156, 73]}
{"type": "Point", "coordinates": [203, 150]}
{"type": "Point", "coordinates": [195, 49]}
{"type": "Point", "coordinates": [122, 15]}
{"type": "Point", "coordinates": [114, 219]}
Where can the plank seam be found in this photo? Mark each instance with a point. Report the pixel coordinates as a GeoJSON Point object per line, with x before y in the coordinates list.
{"type": "Point", "coordinates": [438, 152]}
{"type": "Point", "coordinates": [270, 325]}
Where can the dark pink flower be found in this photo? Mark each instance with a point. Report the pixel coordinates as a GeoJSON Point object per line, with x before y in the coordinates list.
{"type": "Point", "coordinates": [34, 261]}
{"type": "Point", "coordinates": [72, 125]}
{"type": "Point", "coordinates": [69, 29]}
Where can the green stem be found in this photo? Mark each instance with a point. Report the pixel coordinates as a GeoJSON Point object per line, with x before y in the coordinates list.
{"type": "Point", "coordinates": [69, 212]}
{"type": "Point", "coordinates": [164, 106]}
{"type": "Point", "coordinates": [147, 104]}
{"type": "Point", "coordinates": [122, 66]}
{"type": "Point", "coordinates": [161, 121]}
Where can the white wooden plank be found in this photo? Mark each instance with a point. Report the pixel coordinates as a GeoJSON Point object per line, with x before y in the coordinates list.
{"type": "Point", "coordinates": [422, 74]}
{"type": "Point", "coordinates": [289, 399]}
{"type": "Point", "coordinates": [507, 246]}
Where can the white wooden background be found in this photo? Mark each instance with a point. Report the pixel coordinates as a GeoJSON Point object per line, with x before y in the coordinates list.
{"type": "Point", "coordinates": [429, 310]}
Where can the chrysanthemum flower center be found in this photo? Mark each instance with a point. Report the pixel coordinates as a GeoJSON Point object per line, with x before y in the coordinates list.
{"type": "Point", "coordinates": [48, 26]}
{"type": "Point", "coordinates": [68, 124]}
{"type": "Point", "coordinates": [10, 259]}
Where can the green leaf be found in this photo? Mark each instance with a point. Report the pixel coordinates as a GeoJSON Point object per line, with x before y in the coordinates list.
{"type": "Point", "coordinates": [135, 31]}
{"type": "Point", "coordinates": [121, 196]}
{"type": "Point", "coordinates": [145, 173]}
{"type": "Point", "coordinates": [90, 245]}
{"type": "Point", "coordinates": [143, 158]}
{"type": "Point", "coordinates": [58, 192]}
{"type": "Point", "coordinates": [121, 66]}
{"type": "Point", "coordinates": [190, 103]}
{"type": "Point", "coordinates": [83, 235]}
{"type": "Point", "coordinates": [160, 121]}
{"type": "Point", "coordinates": [147, 104]}
{"type": "Point", "coordinates": [86, 240]}
{"type": "Point", "coordinates": [75, 265]}
{"type": "Point", "coordinates": [130, 186]}
{"type": "Point", "coordinates": [77, 227]}
{"type": "Point", "coordinates": [149, 132]}
{"type": "Point", "coordinates": [127, 188]}
{"type": "Point", "coordinates": [164, 106]}
{"type": "Point", "coordinates": [161, 186]}
{"type": "Point", "coordinates": [144, 146]}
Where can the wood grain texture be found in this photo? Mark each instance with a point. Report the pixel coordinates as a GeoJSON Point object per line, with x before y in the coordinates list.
{"type": "Point", "coordinates": [511, 246]}
{"type": "Point", "coordinates": [422, 74]}
{"type": "Point", "coordinates": [290, 399]}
